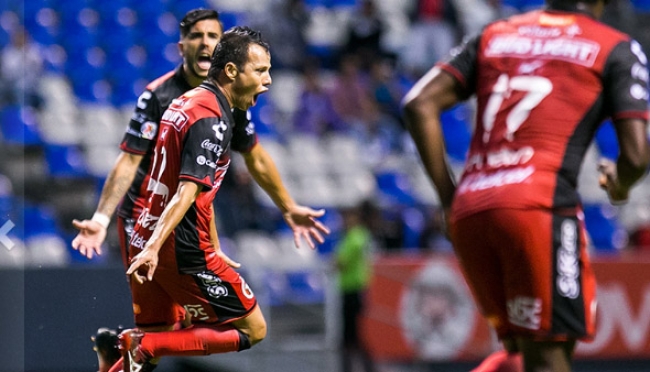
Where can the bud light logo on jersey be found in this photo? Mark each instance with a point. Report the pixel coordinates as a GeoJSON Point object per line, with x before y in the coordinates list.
{"type": "Point", "coordinates": [175, 118]}
{"type": "Point", "coordinates": [570, 49]}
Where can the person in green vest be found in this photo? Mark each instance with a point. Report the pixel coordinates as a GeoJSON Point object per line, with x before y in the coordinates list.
{"type": "Point", "coordinates": [353, 259]}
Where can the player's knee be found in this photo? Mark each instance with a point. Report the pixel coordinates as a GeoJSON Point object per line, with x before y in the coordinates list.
{"type": "Point", "coordinates": [257, 333]}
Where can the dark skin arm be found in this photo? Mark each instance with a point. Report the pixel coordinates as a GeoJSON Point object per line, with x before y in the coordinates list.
{"type": "Point", "coordinates": [618, 178]}
{"type": "Point", "coordinates": [432, 94]}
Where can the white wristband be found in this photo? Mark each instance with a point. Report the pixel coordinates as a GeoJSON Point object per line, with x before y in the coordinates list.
{"type": "Point", "coordinates": [101, 219]}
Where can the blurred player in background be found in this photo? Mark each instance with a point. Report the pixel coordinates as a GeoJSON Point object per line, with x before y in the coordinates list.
{"type": "Point", "coordinates": [171, 238]}
{"type": "Point", "coordinates": [544, 82]}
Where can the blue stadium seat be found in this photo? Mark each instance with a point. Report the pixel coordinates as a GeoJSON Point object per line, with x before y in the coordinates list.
{"type": "Point", "coordinates": [606, 140]}
{"type": "Point", "coordinates": [230, 19]}
{"type": "Point", "coordinates": [65, 161]}
{"type": "Point", "coordinates": [150, 8]}
{"type": "Point", "coordinates": [304, 287]}
{"type": "Point", "coordinates": [126, 92]}
{"type": "Point", "coordinates": [19, 126]}
{"type": "Point", "coordinates": [114, 37]}
{"type": "Point", "coordinates": [395, 188]}
{"type": "Point", "coordinates": [158, 63]}
{"type": "Point", "coordinates": [111, 8]}
{"type": "Point", "coordinates": [604, 229]}
{"type": "Point", "coordinates": [333, 220]}
{"type": "Point", "coordinates": [456, 129]}
{"type": "Point", "coordinates": [414, 220]}
{"type": "Point", "coordinates": [38, 220]}
{"type": "Point", "coordinates": [343, 3]}
{"type": "Point", "coordinates": [262, 115]}
{"type": "Point", "coordinates": [317, 3]}
{"type": "Point", "coordinates": [179, 8]}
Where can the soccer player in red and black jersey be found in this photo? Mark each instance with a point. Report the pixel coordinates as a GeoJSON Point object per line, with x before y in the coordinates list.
{"type": "Point", "coordinates": [127, 182]}
{"type": "Point", "coordinates": [200, 31]}
{"type": "Point", "coordinates": [173, 261]}
{"type": "Point", "coordinates": [544, 81]}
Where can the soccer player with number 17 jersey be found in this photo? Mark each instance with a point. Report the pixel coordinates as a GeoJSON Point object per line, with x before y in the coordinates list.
{"type": "Point", "coordinates": [544, 81]}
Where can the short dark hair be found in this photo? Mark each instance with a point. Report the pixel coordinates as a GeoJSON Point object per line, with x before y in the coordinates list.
{"type": "Point", "coordinates": [194, 16]}
{"type": "Point", "coordinates": [233, 47]}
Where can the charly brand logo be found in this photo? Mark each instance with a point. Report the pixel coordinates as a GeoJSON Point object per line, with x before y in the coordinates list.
{"type": "Point", "coordinates": [213, 284]}
{"type": "Point", "coordinates": [4, 238]}
{"type": "Point", "coordinates": [437, 314]}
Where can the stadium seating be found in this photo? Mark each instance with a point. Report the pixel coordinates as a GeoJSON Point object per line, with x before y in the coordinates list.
{"type": "Point", "coordinates": [19, 125]}
{"type": "Point", "coordinates": [100, 54]}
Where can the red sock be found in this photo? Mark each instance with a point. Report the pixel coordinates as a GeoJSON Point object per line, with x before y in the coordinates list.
{"type": "Point", "coordinates": [197, 340]}
{"type": "Point", "coordinates": [117, 367]}
{"type": "Point", "coordinates": [501, 361]}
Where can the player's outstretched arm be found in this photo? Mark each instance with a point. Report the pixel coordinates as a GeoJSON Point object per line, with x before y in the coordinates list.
{"type": "Point", "coordinates": [302, 220]}
{"type": "Point", "coordinates": [93, 232]}
{"type": "Point", "coordinates": [147, 259]}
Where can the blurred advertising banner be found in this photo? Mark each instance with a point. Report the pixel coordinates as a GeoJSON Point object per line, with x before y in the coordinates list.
{"type": "Point", "coordinates": [419, 308]}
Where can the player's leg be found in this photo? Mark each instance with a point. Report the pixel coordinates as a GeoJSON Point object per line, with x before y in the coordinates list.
{"type": "Point", "coordinates": [154, 311]}
{"type": "Point", "coordinates": [501, 361]}
{"type": "Point", "coordinates": [546, 356]}
{"type": "Point", "coordinates": [106, 346]}
{"type": "Point", "coordinates": [224, 311]}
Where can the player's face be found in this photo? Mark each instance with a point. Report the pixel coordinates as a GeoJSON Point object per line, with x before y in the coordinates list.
{"type": "Point", "coordinates": [253, 79]}
{"type": "Point", "coordinates": [197, 47]}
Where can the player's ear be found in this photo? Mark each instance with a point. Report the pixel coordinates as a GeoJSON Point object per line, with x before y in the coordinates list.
{"type": "Point", "coordinates": [231, 70]}
{"type": "Point", "coordinates": [181, 47]}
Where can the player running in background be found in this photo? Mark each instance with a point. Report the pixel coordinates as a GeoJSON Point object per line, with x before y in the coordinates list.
{"type": "Point", "coordinates": [544, 82]}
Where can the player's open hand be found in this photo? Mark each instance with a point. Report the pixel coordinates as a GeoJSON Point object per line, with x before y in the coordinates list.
{"type": "Point", "coordinates": [304, 224]}
{"type": "Point", "coordinates": [608, 181]}
{"type": "Point", "coordinates": [90, 237]}
{"type": "Point", "coordinates": [143, 265]}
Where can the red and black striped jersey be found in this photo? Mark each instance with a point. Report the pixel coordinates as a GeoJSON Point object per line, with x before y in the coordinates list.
{"type": "Point", "coordinates": [544, 82]}
{"type": "Point", "coordinates": [142, 132]}
{"type": "Point", "coordinates": [197, 133]}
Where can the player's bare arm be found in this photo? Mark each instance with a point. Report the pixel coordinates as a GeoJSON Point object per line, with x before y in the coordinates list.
{"type": "Point", "coordinates": [423, 104]}
{"type": "Point", "coordinates": [302, 220]}
{"type": "Point", "coordinates": [179, 204]}
{"type": "Point", "coordinates": [618, 178]}
{"type": "Point", "coordinates": [93, 232]}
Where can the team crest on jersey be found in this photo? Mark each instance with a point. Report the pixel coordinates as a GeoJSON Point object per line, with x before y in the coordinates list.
{"type": "Point", "coordinates": [148, 130]}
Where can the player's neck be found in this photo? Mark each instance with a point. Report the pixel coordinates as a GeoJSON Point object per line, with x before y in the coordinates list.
{"type": "Point", "coordinates": [575, 7]}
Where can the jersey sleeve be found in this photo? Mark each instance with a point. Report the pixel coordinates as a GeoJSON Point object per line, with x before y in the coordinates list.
{"type": "Point", "coordinates": [141, 132]}
{"type": "Point", "coordinates": [201, 151]}
{"type": "Point", "coordinates": [244, 136]}
{"type": "Point", "coordinates": [625, 80]}
{"type": "Point", "coordinates": [462, 64]}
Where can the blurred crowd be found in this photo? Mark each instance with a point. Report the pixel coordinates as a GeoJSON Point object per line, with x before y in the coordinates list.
{"type": "Point", "coordinates": [350, 63]}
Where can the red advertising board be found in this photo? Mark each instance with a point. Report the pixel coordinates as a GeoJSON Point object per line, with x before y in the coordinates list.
{"type": "Point", "coordinates": [419, 308]}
